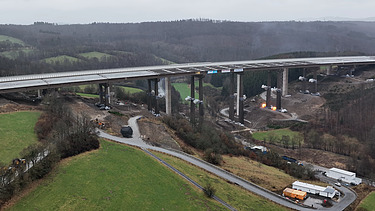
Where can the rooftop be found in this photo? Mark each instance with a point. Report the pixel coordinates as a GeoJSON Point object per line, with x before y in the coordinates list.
{"type": "Point", "coordinates": [342, 171]}
{"type": "Point", "coordinates": [310, 186]}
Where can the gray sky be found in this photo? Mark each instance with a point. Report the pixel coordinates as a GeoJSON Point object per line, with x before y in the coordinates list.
{"type": "Point", "coordinates": [88, 11]}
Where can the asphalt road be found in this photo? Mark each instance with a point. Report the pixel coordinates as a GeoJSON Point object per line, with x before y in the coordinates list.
{"type": "Point", "coordinates": [138, 142]}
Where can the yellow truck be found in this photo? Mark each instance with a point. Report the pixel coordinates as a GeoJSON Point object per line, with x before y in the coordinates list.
{"type": "Point", "coordinates": [296, 194]}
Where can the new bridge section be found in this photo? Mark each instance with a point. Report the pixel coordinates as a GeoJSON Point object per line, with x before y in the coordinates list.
{"type": "Point", "coordinates": [154, 73]}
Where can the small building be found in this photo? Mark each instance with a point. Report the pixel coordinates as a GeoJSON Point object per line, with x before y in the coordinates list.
{"type": "Point", "coordinates": [345, 176]}
{"type": "Point", "coordinates": [288, 192]}
{"type": "Point", "coordinates": [328, 191]}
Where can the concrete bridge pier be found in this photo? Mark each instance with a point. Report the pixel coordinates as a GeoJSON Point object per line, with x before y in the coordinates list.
{"type": "Point", "coordinates": [108, 94]}
{"type": "Point", "coordinates": [192, 98]}
{"type": "Point", "coordinates": [101, 94]}
{"type": "Point", "coordinates": [153, 99]}
{"type": "Point", "coordinates": [104, 94]}
{"type": "Point", "coordinates": [316, 81]}
{"type": "Point", "coordinates": [304, 80]}
{"type": "Point", "coordinates": [285, 82]}
{"type": "Point", "coordinates": [40, 94]}
{"type": "Point", "coordinates": [149, 95]}
{"type": "Point", "coordinates": [240, 98]}
{"type": "Point", "coordinates": [278, 91]}
{"type": "Point", "coordinates": [231, 97]}
{"type": "Point", "coordinates": [168, 96]}
{"type": "Point", "coordinates": [268, 96]}
{"type": "Point", "coordinates": [156, 97]}
{"type": "Point", "coordinates": [329, 70]}
{"type": "Point", "coordinates": [201, 105]}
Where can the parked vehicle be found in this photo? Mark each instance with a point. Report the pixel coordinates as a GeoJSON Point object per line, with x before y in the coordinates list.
{"type": "Point", "coordinates": [126, 131]}
{"type": "Point", "coordinates": [296, 194]}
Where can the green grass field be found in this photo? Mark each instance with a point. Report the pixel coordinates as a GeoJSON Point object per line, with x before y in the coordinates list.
{"type": "Point", "coordinates": [236, 196]}
{"type": "Point", "coordinates": [11, 39]}
{"type": "Point", "coordinates": [276, 135]}
{"type": "Point", "coordinates": [184, 89]}
{"type": "Point", "coordinates": [115, 177]}
{"type": "Point", "coordinates": [95, 54]}
{"type": "Point", "coordinates": [61, 59]}
{"type": "Point", "coordinates": [16, 133]}
{"type": "Point", "coordinates": [14, 54]}
{"type": "Point", "coordinates": [87, 95]}
{"type": "Point", "coordinates": [131, 90]}
{"type": "Point", "coordinates": [369, 202]}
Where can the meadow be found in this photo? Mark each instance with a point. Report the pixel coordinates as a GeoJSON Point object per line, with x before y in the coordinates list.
{"type": "Point", "coordinates": [16, 133]}
{"type": "Point", "coordinates": [115, 177]}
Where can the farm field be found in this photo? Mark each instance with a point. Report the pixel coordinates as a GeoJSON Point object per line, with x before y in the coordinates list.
{"type": "Point", "coordinates": [11, 39]}
{"type": "Point", "coordinates": [95, 54]}
{"type": "Point", "coordinates": [237, 197]}
{"type": "Point", "coordinates": [115, 177]}
{"type": "Point", "coordinates": [14, 54]}
{"type": "Point", "coordinates": [87, 95]}
{"type": "Point", "coordinates": [275, 136]}
{"type": "Point", "coordinates": [184, 89]}
{"type": "Point", "coordinates": [61, 59]}
{"type": "Point", "coordinates": [131, 90]}
{"type": "Point", "coordinates": [16, 133]}
{"type": "Point", "coordinates": [369, 202]}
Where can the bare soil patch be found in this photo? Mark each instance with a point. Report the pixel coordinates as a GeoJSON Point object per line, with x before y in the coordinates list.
{"type": "Point", "coordinates": [156, 133]}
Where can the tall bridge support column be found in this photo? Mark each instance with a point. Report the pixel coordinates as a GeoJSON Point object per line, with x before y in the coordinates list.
{"type": "Point", "coordinates": [285, 81]}
{"type": "Point", "coordinates": [278, 91]}
{"type": "Point", "coordinates": [107, 94]}
{"type": "Point", "coordinates": [316, 81]}
{"type": "Point", "coordinates": [149, 95]}
{"type": "Point", "coordinates": [240, 98]}
{"type": "Point", "coordinates": [192, 105]}
{"type": "Point", "coordinates": [156, 97]}
{"type": "Point", "coordinates": [329, 70]}
{"type": "Point", "coordinates": [104, 94]}
{"type": "Point", "coordinates": [39, 94]}
{"type": "Point", "coordinates": [278, 99]}
{"type": "Point", "coordinates": [239, 78]}
{"type": "Point", "coordinates": [268, 96]}
{"type": "Point", "coordinates": [101, 94]}
{"type": "Point", "coordinates": [304, 81]}
{"type": "Point", "coordinates": [231, 97]}
{"type": "Point", "coordinates": [201, 111]}
{"type": "Point", "coordinates": [168, 96]}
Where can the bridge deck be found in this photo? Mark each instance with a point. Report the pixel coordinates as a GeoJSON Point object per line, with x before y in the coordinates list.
{"type": "Point", "coordinates": [52, 80]}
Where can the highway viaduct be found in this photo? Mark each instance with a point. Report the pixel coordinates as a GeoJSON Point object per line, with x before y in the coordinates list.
{"type": "Point", "coordinates": [235, 69]}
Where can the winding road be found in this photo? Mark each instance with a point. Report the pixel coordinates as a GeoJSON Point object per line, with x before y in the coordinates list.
{"type": "Point", "coordinates": [138, 142]}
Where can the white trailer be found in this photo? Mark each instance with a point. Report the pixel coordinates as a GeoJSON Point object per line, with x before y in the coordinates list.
{"type": "Point", "coordinates": [328, 191]}
{"type": "Point", "coordinates": [345, 176]}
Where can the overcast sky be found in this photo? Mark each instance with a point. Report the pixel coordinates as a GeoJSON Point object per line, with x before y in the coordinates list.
{"type": "Point", "coordinates": [123, 11]}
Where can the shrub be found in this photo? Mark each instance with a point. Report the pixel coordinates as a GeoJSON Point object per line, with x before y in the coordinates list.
{"type": "Point", "coordinates": [209, 190]}
{"type": "Point", "coordinates": [212, 157]}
